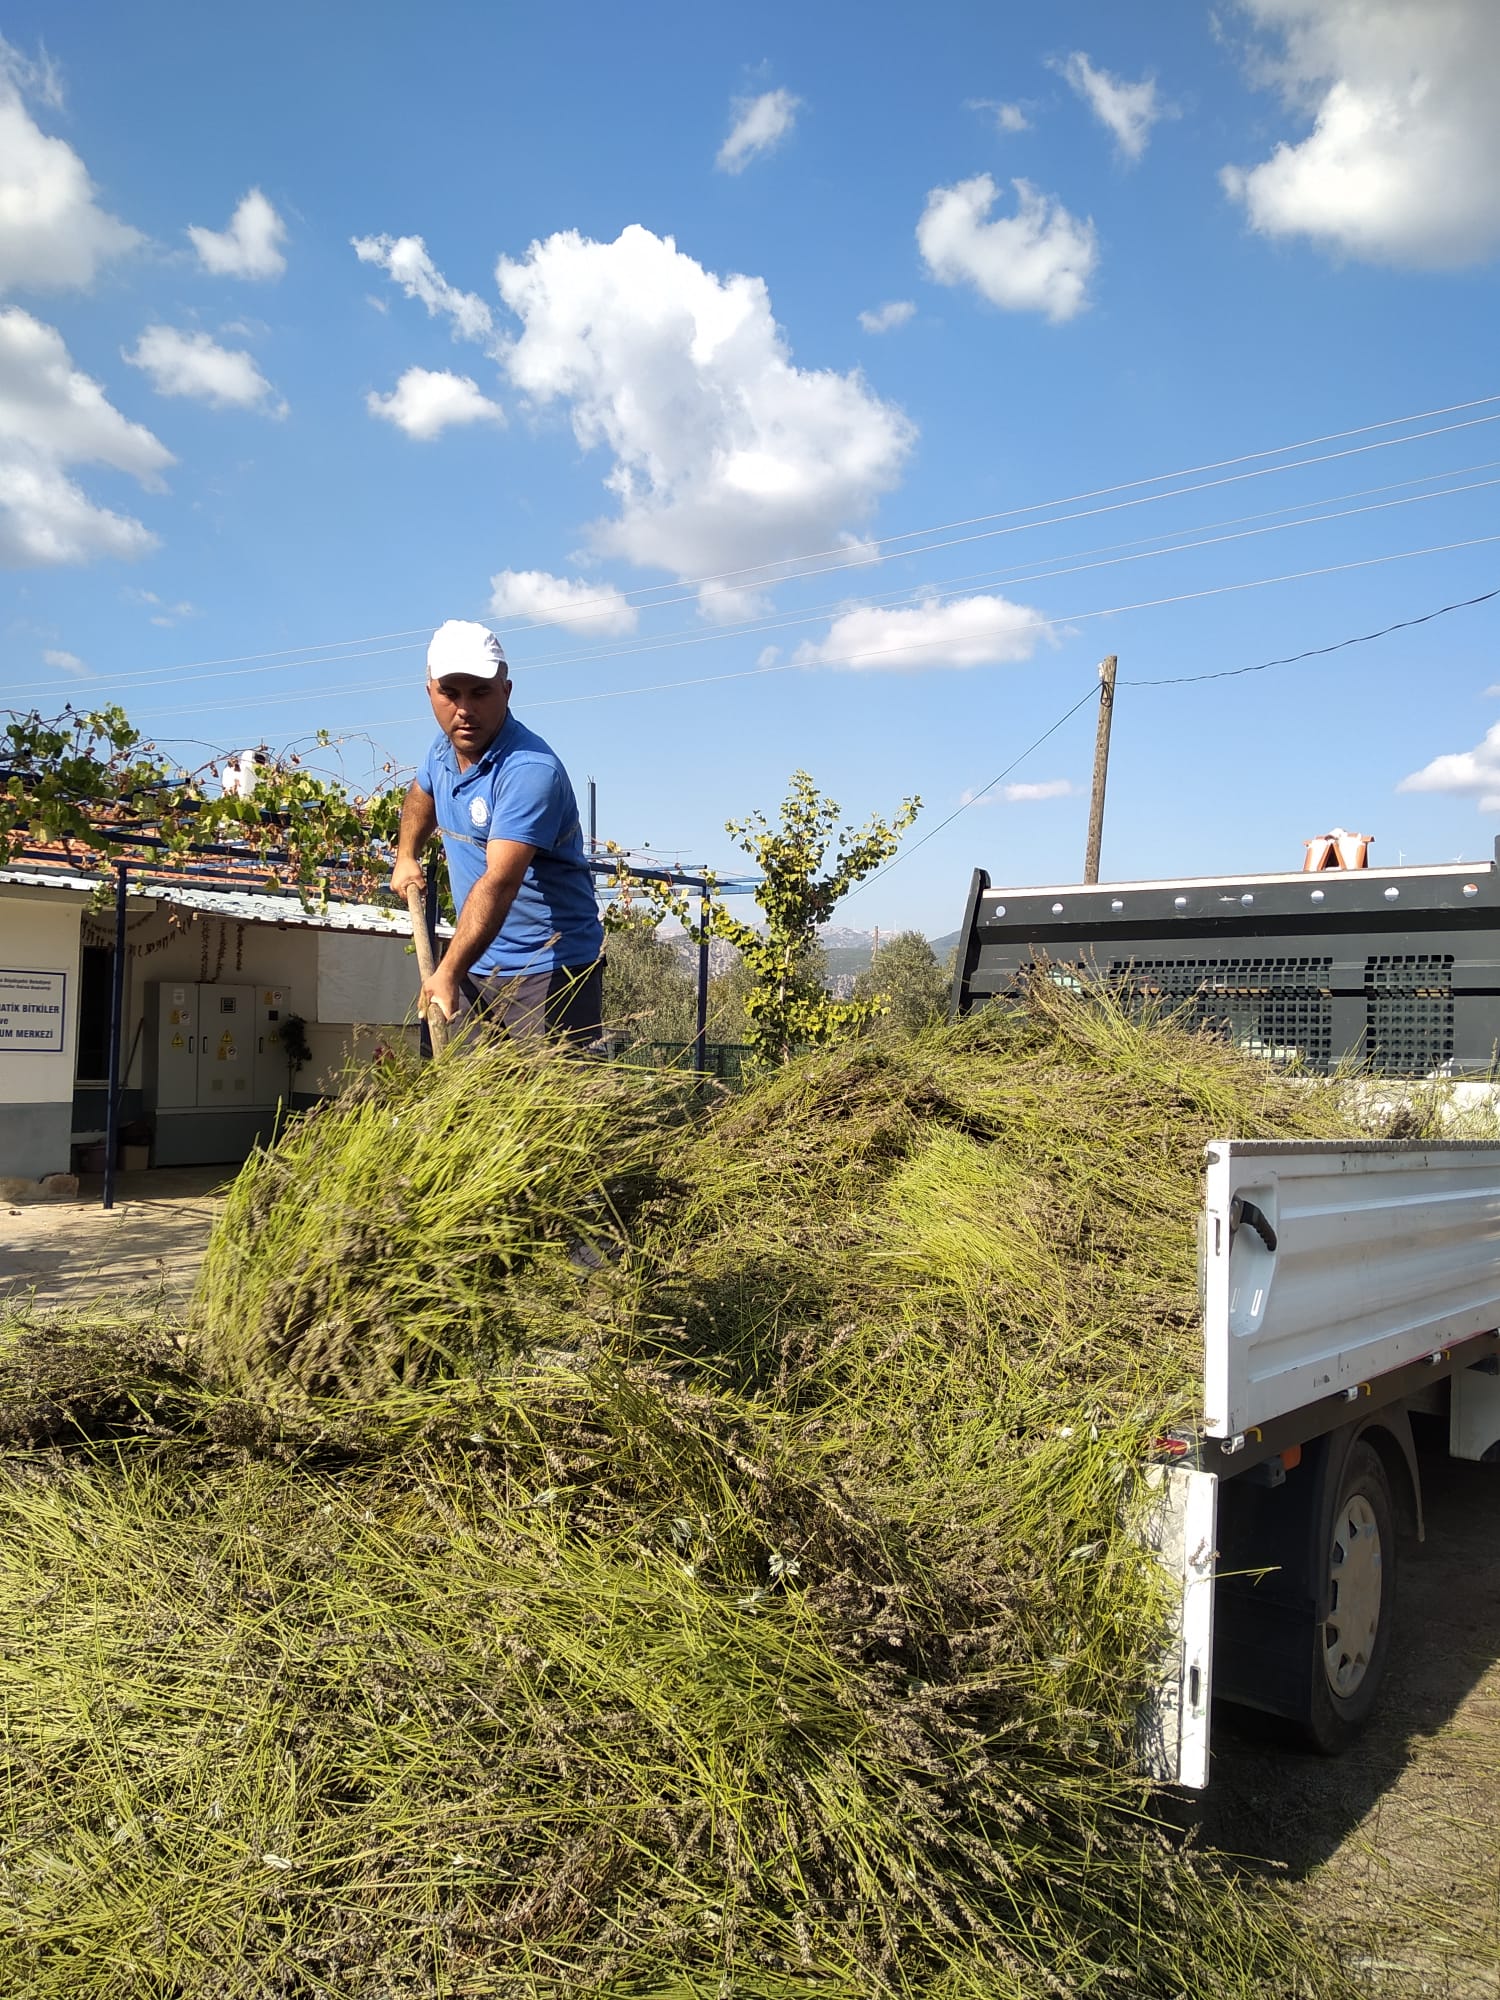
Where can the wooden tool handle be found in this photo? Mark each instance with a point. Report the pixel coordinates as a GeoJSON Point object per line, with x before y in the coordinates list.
{"type": "Point", "coordinates": [437, 1024]}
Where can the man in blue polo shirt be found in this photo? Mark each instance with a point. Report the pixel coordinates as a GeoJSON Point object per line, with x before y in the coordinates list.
{"type": "Point", "coordinates": [528, 944]}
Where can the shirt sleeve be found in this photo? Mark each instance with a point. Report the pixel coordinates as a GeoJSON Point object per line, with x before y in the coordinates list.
{"type": "Point", "coordinates": [528, 802]}
{"type": "Point", "coordinates": [424, 774]}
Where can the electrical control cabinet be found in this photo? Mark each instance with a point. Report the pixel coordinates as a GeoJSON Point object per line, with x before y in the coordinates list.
{"type": "Point", "coordinates": [226, 1047]}
{"type": "Point", "coordinates": [172, 1034]}
{"type": "Point", "coordinates": [214, 1068]}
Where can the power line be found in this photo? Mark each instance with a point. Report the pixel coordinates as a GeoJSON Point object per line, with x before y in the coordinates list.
{"type": "Point", "coordinates": [687, 586]}
{"type": "Point", "coordinates": [914, 646]}
{"type": "Point", "coordinates": [1317, 652]}
{"type": "Point", "coordinates": [1049, 521]}
{"type": "Point", "coordinates": [944, 587]}
{"type": "Point", "coordinates": [1010, 575]}
{"type": "Point", "coordinates": [963, 806]}
{"type": "Point", "coordinates": [1175, 680]}
{"type": "Point", "coordinates": [1152, 479]}
{"type": "Point", "coordinates": [1069, 618]}
{"type": "Point", "coordinates": [1181, 680]}
{"type": "Point", "coordinates": [939, 588]}
{"type": "Point", "coordinates": [1175, 548]}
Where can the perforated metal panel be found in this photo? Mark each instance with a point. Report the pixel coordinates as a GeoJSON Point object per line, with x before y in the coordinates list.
{"type": "Point", "coordinates": [1409, 1012]}
{"type": "Point", "coordinates": [1281, 1008]}
{"type": "Point", "coordinates": [1393, 970]}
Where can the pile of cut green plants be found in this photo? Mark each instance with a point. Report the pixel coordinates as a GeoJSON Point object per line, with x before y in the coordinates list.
{"type": "Point", "coordinates": [583, 1542]}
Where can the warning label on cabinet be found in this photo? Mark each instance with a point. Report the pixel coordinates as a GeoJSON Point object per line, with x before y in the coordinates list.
{"type": "Point", "coordinates": [32, 1012]}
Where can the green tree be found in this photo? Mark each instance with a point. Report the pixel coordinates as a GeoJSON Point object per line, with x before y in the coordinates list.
{"type": "Point", "coordinates": [905, 973]}
{"type": "Point", "coordinates": [805, 872]}
{"type": "Point", "coordinates": [650, 989]}
{"type": "Point", "coordinates": [728, 992]}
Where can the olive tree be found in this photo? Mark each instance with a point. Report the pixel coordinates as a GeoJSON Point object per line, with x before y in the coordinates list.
{"type": "Point", "coordinates": [905, 974]}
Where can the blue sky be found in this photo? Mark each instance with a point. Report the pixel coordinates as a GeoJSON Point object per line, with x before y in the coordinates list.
{"type": "Point", "coordinates": [673, 341]}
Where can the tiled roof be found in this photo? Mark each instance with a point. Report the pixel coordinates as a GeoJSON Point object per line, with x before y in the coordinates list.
{"type": "Point", "coordinates": [245, 906]}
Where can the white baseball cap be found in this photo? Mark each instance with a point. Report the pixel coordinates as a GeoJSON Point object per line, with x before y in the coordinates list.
{"type": "Point", "coordinates": [461, 647]}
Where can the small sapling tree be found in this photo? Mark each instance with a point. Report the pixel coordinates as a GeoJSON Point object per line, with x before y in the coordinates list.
{"type": "Point", "coordinates": [808, 863]}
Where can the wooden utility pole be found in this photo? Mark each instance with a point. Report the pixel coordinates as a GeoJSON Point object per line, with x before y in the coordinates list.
{"type": "Point", "coordinates": [1101, 766]}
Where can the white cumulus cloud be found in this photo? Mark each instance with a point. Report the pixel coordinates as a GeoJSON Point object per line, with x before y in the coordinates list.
{"type": "Point", "coordinates": [1038, 260]}
{"type": "Point", "coordinates": [1019, 795]}
{"type": "Point", "coordinates": [1402, 165]}
{"type": "Point", "coordinates": [191, 364]}
{"type": "Point", "coordinates": [1128, 110]}
{"type": "Point", "coordinates": [1032, 794]}
{"type": "Point", "coordinates": [405, 261]}
{"type": "Point", "coordinates": [560, 600]}
{"type": "Point", "coordinates": [250, 247]}
{"type": "Point", "coordinates": [1008, 118]}
{"type": "Point", "coordinates": [964, 632]}
{"type": "Point", "coordinates": [67, 663]}
{"type": "Point", "coordinates": [1475, 772]}
{"type": "Point", "coordinates": [428, 401]}
{"type": "Point", "coordinates": [725, 455]}
{"type": "Point", "coordinates": [162, 613]}
{"type": "Point", "coordinates": [53, 234]}
{"type": "Point", "coordinates": [886, 318]}
{"type": "Point", "coordinates": [760, 125]}
{"type": "Point", "coordinates": [47, 404]}
{"type": "Point", "coordinates": [52, 416]}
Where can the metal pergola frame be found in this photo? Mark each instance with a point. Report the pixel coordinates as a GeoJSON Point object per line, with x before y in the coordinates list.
{"type": "Point", "coordinates": [700, 880]}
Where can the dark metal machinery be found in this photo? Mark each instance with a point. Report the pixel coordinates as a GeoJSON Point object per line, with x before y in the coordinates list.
{"type": "Point", "coordinates": [1393, 969]}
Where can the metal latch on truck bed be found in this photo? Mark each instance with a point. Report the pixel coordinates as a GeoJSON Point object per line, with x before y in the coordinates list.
{"type": "Point", "coordinates": [1246, 1212]}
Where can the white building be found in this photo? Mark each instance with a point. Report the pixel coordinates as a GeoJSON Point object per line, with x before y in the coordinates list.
{"type": "Point", "coordinates": [212, 977]}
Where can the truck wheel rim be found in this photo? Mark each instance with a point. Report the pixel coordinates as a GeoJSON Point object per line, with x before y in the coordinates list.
{"type": "Point", "coordinates": [1354, 1596]}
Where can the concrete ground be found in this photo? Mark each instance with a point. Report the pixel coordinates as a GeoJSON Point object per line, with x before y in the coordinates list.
{"type": "Point", "coordinates": [64, 1252]}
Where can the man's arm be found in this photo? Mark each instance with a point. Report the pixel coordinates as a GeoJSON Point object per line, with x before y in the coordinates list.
{"type": "Point", "coordinates": [418, 825]}
{"type": "Point", "coordinates": [485, 909]}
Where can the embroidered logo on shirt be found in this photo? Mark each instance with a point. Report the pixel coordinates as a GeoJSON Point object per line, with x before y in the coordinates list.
{"type": "Point", "coordinates": [479, 811]}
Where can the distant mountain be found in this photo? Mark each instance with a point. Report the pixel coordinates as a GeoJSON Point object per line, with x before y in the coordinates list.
{"type": "Point", "coordinates": [845, 952]}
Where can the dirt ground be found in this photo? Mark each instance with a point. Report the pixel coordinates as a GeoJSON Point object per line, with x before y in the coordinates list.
{"type": "Point", "coordinates": [1392, 1849]}
{"type": "Point", "coordinates": [151, 1240]}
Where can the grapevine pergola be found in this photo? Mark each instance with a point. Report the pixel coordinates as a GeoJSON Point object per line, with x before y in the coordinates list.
{"type": "Point", "coordinates": [86, 789]}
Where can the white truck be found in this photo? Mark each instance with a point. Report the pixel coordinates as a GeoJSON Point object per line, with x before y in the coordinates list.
{"type": "Point", "coordinates": [1349, 1292]}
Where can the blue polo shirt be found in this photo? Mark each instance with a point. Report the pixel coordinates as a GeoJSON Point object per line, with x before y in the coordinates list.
{"type": "Point", "coordinates": [518, 790]}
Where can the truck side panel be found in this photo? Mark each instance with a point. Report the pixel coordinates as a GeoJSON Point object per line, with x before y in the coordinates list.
{"type": "Point", "coordinates": [1326, 1267]}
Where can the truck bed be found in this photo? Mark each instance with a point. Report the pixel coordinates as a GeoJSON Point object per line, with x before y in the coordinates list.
{"type": "Point", "coordinates": [1386, 1254]}
{"type": "Point", "coordinates": [1342, 1284]}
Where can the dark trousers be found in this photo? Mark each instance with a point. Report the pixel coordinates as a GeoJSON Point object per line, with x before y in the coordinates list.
{"type": "Point", "coordinates": [566, 1003]}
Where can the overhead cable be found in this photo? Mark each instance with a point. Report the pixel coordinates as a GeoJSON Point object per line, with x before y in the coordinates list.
{"type": "Point", "coordinates": [1074, 618]}
{"type": "Point", "coordinates": [1183, 680]}
{"type": "Point", "coordinates": [1316, 652]}
{"type": "Point", "coordinates": [688, 586]}
{"type": "Point", "coordinates": [943, 587]}
{"type": "Point", "coordinates": [382, 686]}
{"type": "Point", "coordinates": [974, 797]}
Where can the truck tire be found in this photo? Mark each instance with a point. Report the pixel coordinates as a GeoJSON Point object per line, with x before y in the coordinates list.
{"type": "Point", "coordinates": [1357, 1545]}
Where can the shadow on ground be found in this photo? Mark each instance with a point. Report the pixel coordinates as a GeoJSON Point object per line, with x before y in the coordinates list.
{"type": "Point", "coordinates": [64, 1253]}
{"type": "Point", "coordinates": [1394, 1848]}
